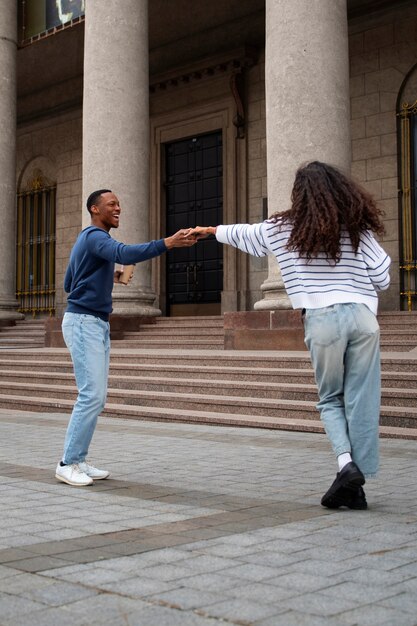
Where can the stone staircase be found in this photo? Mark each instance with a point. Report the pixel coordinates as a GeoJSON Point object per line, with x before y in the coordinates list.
{"type": "Point", "coordinates": [269, 390]}
{"type": "Point", "coordinates": [191, 333]}
{"type": "Point", "coordinates": [27, 333]}
{"type": "Point", "coordinates": [398, 331]}
{"type": "Point", "coordinates": [188, 383]}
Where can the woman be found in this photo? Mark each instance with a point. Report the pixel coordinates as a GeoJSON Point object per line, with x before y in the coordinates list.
{"type": "Point", "coordinates": [332, 267]}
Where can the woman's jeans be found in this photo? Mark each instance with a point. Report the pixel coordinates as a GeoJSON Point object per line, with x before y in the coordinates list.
{"type": "Point", "coordinates": [343, 341]}
{"type": "Point", "coordinates": [88, 339]}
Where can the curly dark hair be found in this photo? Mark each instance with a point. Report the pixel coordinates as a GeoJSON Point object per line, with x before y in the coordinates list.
{"type": "Point", "coordinates": [323, 203]}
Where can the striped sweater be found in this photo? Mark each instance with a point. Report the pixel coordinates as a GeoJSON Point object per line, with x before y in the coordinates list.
{"type": "Point", "coordinates": [318, 283]}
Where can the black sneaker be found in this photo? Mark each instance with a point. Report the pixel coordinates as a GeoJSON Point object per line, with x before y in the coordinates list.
{"type": "Point", "coordinates": [352, 499]}
{"type": "Point", "coordinates": [344, 487]}
{"type": "Point", "coordinates": [358, 501]}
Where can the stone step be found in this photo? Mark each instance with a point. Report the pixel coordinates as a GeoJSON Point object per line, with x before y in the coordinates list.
{"type": "Point", "coordinates": [187, 322]}
{"type": "Point", "coordinates": [34, 328]}
{"type": "Point", "coordinates": [12, 333]}
{"type": "Point", "coordinates": [391, 396]}
{"type": "Point", "coordinates": [397, 328]}
{"type": "Point", "coordinates": [175, 331]}
{"type": "Point", "coordinates": [397, 345]}
{"type": "Point", "coordinates": [22, 341]}
{"type": "Point", "coordinates": [384, 316]}
{"type": "Point", "coordinates": [213, 343]}
{"type": "Point", "coordinates": [229, 358]}
{"type": "Point", "coordinates": [19, 369]}
{"type": "Point", "coordinates": [283, 407]}
{"type": "Point", "coordinates": [409, 335]}
{"type": "Point", "coordinates": [46, 404]}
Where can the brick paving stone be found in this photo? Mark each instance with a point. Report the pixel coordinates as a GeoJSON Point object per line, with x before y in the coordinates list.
{"type": "Point", "coordinates": [369, 576]}
{"type": "Point", "coordinates": [161, 616]}
{"type": "Point", "coordinates": [96, 576]}
{"type": "Point", "coordinates": [245, 610]}
{"type": "Point", "coordinates": [375, 615]}
{"type": "Point", "coordinates": [403, 602]}
{"type": "Point", "coordinates": [59, 593]}
{"type": "Point", "coordinates": [293, 618]}
{"type": "Point", "coordinates": [37, 563]}
{"type": "Point", "coordinates": [187, 598]}
{"type": "Point", "coordinates": [261, 592]}
{"type": "Point", "coordinates": [136, 587]}
{"type": "Point", "coordinates": [321, 604]}
{"type": "Point", "coordinates": [250, 571]}
{"type": "Point", "coordinates": [51, 617]}
{"type": "Point", "coordinates": [23, 583]}
{"type": "Point", "coordinates": [302, 582]}
{"type": "Point", "coordinates": [106, 607]}
{"type": "Point", "coordinates": [12, 605]}
{"type": "Point", "coordinates": [6, 572]}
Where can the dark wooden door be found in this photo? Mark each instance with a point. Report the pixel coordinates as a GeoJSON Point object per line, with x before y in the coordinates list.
{"type": "Point", "coordinates": [194, 196]}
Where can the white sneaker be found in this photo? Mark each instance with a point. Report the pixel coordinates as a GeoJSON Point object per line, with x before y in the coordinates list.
{"type": "Point", "coordinates": [93, 472]}
{"type": "Point", "coordinates": [72, 475]}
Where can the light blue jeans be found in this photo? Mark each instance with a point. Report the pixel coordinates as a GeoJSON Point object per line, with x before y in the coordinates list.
{"type": "Point", "coordinates": [343, 341]}
{"type": "Point", "coordinates": [88, 339]}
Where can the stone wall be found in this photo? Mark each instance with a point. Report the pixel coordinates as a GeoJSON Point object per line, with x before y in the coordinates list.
{"type": "Point", "coordinates": [256, 172]}
{"type": "Point", "coordinates": [53, 145]}
{"type": "Point", "coordinates": [383, 49]}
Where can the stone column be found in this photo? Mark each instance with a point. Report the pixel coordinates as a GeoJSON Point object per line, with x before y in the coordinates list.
{"type": "Point", "coordinates": [8, 48]}
{"type": "Point", "coordinates": [307, 103]}
{"type": "Point", "coordinates": [116, 129]}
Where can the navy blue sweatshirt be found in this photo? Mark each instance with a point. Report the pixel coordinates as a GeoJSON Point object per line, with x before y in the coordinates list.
{"type": "Point", "coordinates": [90, 273]}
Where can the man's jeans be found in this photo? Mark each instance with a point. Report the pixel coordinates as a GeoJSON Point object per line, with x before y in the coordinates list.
{"type": "Point", "coordinates": [88, 340]}
{"type": "Point", "coordinates": [343, 341]}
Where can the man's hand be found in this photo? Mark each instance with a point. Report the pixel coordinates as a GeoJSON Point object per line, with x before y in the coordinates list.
{"type": "Point", "coordinates": [201, 232]}
{"type": "Point", "coordinates": [181, 239]}
{"type": "Point", "coordinates": [119, 275]}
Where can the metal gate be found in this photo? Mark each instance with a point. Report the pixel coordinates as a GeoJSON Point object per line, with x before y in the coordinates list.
{"type": "Point", "coordinates": [194, 195]}
{"type": "Point", "coordinates": [35, 251]}
{"type": "Point", "coordinates": [408, 205]}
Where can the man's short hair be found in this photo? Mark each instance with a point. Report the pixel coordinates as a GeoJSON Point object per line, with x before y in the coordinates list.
{"type": "Point", "coordinates": [93, 197]}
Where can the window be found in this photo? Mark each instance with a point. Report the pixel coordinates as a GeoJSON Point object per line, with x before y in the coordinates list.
{"type": "Point", "coordinates": [43, 16]}
{"type": "Point", "coordinates": [408, 205]}
{"type": "Point", "coordinates": [35, 250]}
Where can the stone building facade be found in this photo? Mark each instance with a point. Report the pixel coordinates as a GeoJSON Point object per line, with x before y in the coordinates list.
{"type": "Point", "coordinates": [100, 99]}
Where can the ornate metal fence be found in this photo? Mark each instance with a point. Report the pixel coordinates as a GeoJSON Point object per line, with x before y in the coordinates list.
{"type": "Point", "coordinates": [35, 253]}
{"type": "Point", "coordinates": [408, 205]}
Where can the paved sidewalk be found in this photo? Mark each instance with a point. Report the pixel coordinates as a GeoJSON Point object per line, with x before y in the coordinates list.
{"type": "Point", "coordinates": [198, 526]}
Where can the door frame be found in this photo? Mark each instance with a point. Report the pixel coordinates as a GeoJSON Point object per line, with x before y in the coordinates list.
{"type": "Point", "coordinates": [180, 124]}
{"type": "Point", "coordinates": [195, 306]}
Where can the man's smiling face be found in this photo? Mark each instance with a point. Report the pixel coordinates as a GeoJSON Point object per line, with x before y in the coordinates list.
{"type": "Point", "coordinates": [106, 211]}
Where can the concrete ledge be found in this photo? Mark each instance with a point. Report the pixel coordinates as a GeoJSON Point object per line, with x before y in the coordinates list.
{"type": "Point", "coordinates": [6, 323]}
{"type": "Point", "coordinates": [119, 324]}
{"type": "Point", "coordinates": [264, 330]}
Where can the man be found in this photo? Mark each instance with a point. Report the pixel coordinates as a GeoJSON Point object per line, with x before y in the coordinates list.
{"type": "Point", "coordinates": [89, 282]}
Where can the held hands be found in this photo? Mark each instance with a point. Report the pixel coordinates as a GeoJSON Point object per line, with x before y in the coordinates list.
{"type": "Point", "coordinates": [201, 232]}
{"type": "Point", "coordinates": [181, 239]}
{"type": "Point", "coordinates": [187, 237]}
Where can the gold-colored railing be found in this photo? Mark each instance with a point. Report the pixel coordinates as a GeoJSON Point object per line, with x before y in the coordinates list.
{"type": "Point", "coordinates": [408, 210]}
{"type": "Point", "coordinates": [35, 251]}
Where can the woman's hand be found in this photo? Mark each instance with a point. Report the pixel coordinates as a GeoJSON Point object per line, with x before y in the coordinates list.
{"type": "Point", "coordinates": [201, 232]}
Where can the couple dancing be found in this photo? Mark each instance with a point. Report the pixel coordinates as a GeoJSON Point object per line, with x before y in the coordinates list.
{"type": "Point", "coordinates": [332, 267]}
